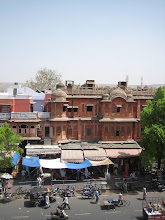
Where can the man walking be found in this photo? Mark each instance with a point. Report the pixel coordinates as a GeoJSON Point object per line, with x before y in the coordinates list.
{"type": "Point", "coordinates": [39, 181]}
{"type": "Point", "coordinates": [125, 185]}
{"type": "Point", "coordinates": [97, 196]}
{"type": "Point", "coordinates": [144, 193]}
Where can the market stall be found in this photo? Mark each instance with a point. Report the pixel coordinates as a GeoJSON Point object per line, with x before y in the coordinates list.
{"type": "Point", "coordinates": [154, 208]}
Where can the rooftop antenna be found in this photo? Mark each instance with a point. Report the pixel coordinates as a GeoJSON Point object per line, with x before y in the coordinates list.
{"type": "Point", "coordinates": [141, 81]}
{"type": "Point", "coordinates": [127, 78]}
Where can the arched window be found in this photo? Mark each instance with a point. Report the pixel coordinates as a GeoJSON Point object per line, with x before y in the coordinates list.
{"type": "Point", "coordinates": [106, 131]}
{"type": "Point", "coordinates": [58, 130]}
{"type": "Point", "coordinates": [106, 108]}
{"type": "Point", "coordinates": [23, 129]}
{"type": "Point", "coordinates": [113, 108]}
{"type": "Point", "coordinates": [47, 131]}
{"type": "Point", "coordinates": [69, 131]}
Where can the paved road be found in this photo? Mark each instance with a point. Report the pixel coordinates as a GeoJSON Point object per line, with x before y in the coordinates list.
{"type": "Point", "coordinates": [80, 209]}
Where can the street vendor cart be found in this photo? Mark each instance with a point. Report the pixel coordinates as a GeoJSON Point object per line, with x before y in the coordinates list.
{"type": "Point", "coordinates": [154, 208]}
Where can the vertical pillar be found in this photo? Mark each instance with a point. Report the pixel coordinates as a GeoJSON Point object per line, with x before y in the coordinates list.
{"type": "Point", "coordinates": [79, 130]}
{"type": "Point", "coordinates": [138, 108]}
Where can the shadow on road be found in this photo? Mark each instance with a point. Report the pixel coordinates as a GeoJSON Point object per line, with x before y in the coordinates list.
{"type": "Point", "coordinates": [103, 207]}
{"type": "Point", "coordinates": [138, 218]}
{"type": "Point", "coordinates": [132, 193]}
{"type": "Point", "coordinates": [27, 204]}
{"type": "Point", "coordinates": [93, 203]}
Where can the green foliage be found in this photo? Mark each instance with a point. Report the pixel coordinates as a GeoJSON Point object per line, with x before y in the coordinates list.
{"type": "Point", "coordinates": [45, 79]}
{"type": "Point", "coordinates": [153, 117]}
{"type": "Point", "coordinates": [146, 159]}
{"type": "Point", "coordinates": [8, 144]}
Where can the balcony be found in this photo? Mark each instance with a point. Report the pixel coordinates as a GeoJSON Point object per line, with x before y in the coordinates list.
{"type": "Point", "coordinates": [5, 115]}
{"type": "Point", "coordinates": [43, 115]}
{"type": "Point", "coordinates": [23, 115]}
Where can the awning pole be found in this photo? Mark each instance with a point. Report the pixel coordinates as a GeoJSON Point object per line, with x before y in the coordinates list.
{"type": "Point", "coordinates": [100, 171]}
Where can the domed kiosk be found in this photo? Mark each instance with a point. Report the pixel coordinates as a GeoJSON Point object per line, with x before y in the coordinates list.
{"type": "Point", "coordinates": [59, 95]}
{"type": "Point", "coordinates": [118, 92]}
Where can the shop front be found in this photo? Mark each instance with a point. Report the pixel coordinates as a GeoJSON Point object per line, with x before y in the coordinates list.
{"type": "Point", "coordinates": [124, 157]}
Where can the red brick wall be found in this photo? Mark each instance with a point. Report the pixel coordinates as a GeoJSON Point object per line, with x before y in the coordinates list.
{"type": "Point", "coordinates": [82, 107]}
{"type": "Point", "coordinates": [21, 105]}
{"type": "Point", "coordinates": [30, 132]}
{"type": "Point", "coordinates": [109, 109]}
{"type": "Point", "coordinates": [110, 130]}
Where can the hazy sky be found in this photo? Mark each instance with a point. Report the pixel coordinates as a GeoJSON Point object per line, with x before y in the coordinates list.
{"type": "Point", "coordinates": [104, 40]}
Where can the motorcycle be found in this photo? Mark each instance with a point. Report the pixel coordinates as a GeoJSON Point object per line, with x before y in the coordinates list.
{"type": "Point", "coordinates": [69, 192]}
{"type": "Point", "coordinates": [55, 191]}
{"type": "Point", "coordinates": [59, 214]}
{"type": "Point", "coordinates": [88, 193]}
{"type": "Point", "coordinates": [161, 187]}
{"type": "Point", "coordinates": [7, 198]}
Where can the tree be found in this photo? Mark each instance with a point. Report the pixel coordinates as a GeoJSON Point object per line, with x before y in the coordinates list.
{"type": "Point", "coordinates": [153, 118]}
{"type": "Point", "coordinates": [44, 79]}
{"type": "Point", "coordinates": [8, 144]}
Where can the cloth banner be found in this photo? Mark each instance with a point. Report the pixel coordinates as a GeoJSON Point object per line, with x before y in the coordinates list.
{"type": "Point", "coordinates": [16, 157]}
{"type": "Point", "coordinates": [31, 162]}
{"type": "Point", "coordinates": [85, 164]}
{"type": "Point", "coordinates": [52, 163]}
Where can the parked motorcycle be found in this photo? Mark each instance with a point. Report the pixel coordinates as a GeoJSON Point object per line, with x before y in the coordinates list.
{"type": "Point", "coordinates": [88, 193]}
{"type": "Point", "coordinates": [69, 192]}
{"type": "Point", "coordinates": [7, 198]}
{"type": "Point", "coordinates": [161, 187]}
{"type": "Point", "coordinates": [55, 191]}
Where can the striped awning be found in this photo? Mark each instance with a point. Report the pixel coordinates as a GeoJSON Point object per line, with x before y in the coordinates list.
{"type": "Point", "coordinates": [107, 161]}
{"type": "Point", "coordinates": [97, 154]}
{"type": "Point", "coordinates": [72, 156]}
{"type": "Point", "coordinates": [38, 151]}
{"type": "Point", "coordinates": [123, 153]}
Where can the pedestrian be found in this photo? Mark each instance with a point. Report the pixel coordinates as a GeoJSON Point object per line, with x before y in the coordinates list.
{"type": "Point", "coordinates": [63, 173]}
{"type": "Point", "coordinates": [144, 193]}
{"type": "Point", "coordinates": [47, 201]}
{"type": "Point", "coordinates": [97, 196]}
{"type": "Point", "coordinates": [125, 186]}
{"type": "Point", "coordinates": [65, 202]}
{"type": "Point", "coordinates": [78, 175]}
{"type": "Point", "coordinates": [86, 173]}
{"type": "Point", "coordinates": [23, 174]}
{"type": "Point", "coordinates": [107, 175]}
{"type": "Point", "coordinates": [39, 181]}
{"type": "Point", "coordinates": [42, 180]}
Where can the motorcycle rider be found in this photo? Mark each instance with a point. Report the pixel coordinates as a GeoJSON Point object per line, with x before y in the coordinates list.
{"type": "Point", "coordinates": [59, 212]}
{"type": "Point", "coordinates": [65, 202]}
{"type": "Point", "coordinates": [120, 198]}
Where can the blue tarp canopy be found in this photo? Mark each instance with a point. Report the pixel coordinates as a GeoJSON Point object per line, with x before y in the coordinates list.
{"type": "Point", "coordinates": [31, 162]}
{"type": "Point", "coordinates": [85, 164]}
{"type": "Point", "coordinates": [16, 157]}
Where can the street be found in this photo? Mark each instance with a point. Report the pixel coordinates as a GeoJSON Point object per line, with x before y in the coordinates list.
{"type": "Point", "coordinates": [80, 209]}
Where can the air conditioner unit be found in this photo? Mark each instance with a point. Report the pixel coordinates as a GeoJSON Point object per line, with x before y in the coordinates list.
{"type": "Point", "coordinates": [49, 99]}
{"type": "Point", "coordinates": [38, 126]}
